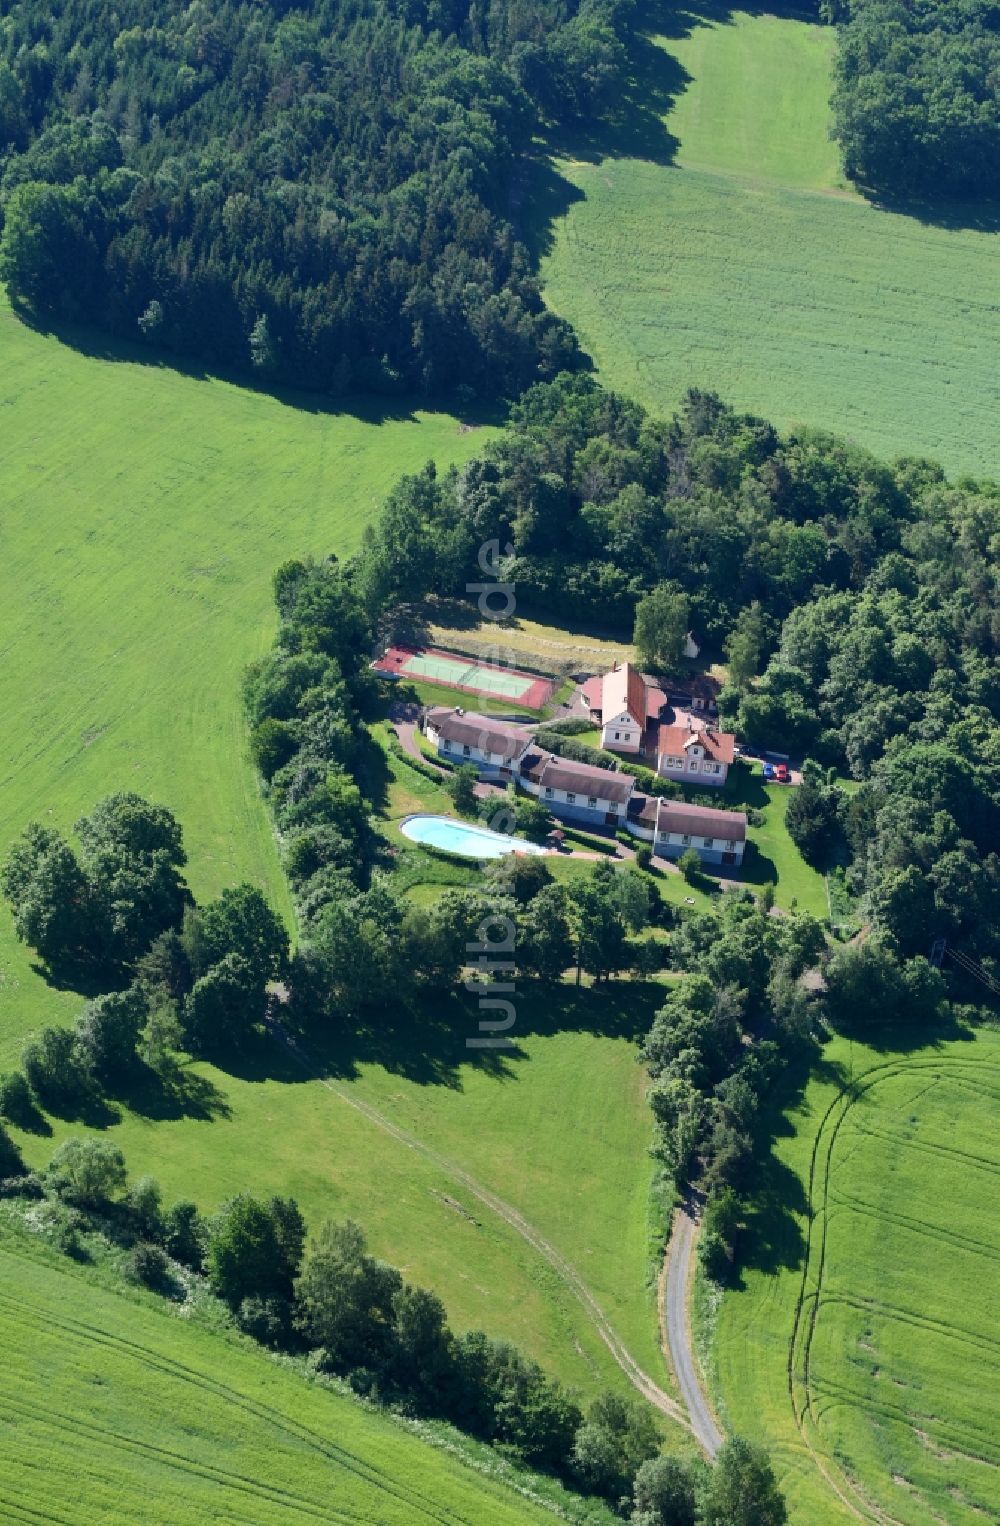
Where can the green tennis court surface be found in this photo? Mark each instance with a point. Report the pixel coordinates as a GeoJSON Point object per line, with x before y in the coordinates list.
{"type": "Point", "coordinates": [468, 675]}
{"type": "Point", "coordinates": [453, 671]}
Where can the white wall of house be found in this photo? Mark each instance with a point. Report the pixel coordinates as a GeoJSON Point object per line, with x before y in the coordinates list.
{"type": "Point", "coordinates": [711, 850]}
{"type": "Point", "coordinates": [459, 752]}
{"type": "Point", "coordinates": [692, 765]}
{"type": "Point", "coordinates": [574, 805]}
{"type": "Point", "coordinates": [621, 734]}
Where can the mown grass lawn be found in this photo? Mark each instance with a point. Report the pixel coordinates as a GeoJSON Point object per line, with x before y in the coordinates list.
{"type": "Point", "coordinates": [890, 1242]}
{"type": "Point", "coordinates": [116, 1408]}
{"type": "Point", "coordinates": [727, 255]}
{"type": "Point", "coordinates": [771, 856]}
{"type": "Point", "coordinates": [143, 514]}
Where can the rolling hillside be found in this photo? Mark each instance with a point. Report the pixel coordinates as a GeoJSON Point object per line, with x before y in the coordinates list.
{"type": "Point", "coordinates": [142, 515]}
{"type": "Point", "coordinates": [116, 1408]}
{"type": "Point", "coordinates": [862, 1346]}
{"type": "Point", "coordinates": [144, 512]}
{"type": "Point", "coordinates": [715, 245]}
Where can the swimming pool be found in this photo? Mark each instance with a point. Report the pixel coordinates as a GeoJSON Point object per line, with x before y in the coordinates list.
{"type": "Point", "coordinates": [463, 837]}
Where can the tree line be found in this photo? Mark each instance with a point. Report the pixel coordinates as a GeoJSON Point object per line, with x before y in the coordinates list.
{"type": "Point", "coordinates": [916, 103]}
{"type": "Point", "coordinates": [328, 1298]}
{"type": "Point", "coordinates": [317, 196]}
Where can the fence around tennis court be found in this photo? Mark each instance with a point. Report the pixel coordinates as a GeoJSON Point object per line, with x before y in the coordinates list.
{"type": "Point", "coordinates": [454, 671]}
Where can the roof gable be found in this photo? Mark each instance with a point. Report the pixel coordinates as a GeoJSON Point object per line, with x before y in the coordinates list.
{"type": "Point", "coordinates": [624, 690]}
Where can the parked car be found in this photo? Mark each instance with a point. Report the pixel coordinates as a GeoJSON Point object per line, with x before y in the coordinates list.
{"type": "Point", "coordinates": [768, 770]}
{"type": "Point", "coordinates": [782, 774]}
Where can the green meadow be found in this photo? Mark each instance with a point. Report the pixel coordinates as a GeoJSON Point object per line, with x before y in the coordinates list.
{"type": "Point", "coordinates": [862, 1347]}
{"type": "Point", "coordinates": [142, 514]}
{"type": "Point", "coordinates": [715, 245]}
{"type": "Point", "coordinates": [111, 1402]}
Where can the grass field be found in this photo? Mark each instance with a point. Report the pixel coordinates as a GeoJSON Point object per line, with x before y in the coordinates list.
{"type": "Point", "coordinates": [552, 646]}
{"type": "Point", "coordinates": [720, 249]}
{"type": "Point", "coordinates": [863, 1346]}
{"type": "Point", "coordinates": [143, 514]}
{"type": "Point", "coordinates": [116, 1409]}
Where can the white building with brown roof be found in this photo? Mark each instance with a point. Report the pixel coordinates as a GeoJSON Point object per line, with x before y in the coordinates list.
{"type": "Point", "coordinates": [623, 703]}
{"type": "Point", "coordinates": [673, 826]}
{"type": "Point", "coordinates": [463, 736]}
{"type": "Point", "coordinates": [695, 752]}
{"type": "Point", "coordinates": [577, 791]}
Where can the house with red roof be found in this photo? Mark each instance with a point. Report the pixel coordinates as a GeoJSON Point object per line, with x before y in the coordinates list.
{"type": "Point", "coordinates": [695, 752]}
{"type": "Point", "coordinates": [624, 704]}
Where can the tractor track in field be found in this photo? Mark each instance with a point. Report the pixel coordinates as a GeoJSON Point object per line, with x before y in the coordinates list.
{"type": "Point", "coordinates": [157, 1361]}
{"type": "Point", "coordinates": [564, 1270]}
{"type": "Point", "coordinates": [818, 1198]}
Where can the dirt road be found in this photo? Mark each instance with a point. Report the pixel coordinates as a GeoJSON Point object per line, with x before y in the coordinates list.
{"type": "Point", "coordinates": [675, 1315]}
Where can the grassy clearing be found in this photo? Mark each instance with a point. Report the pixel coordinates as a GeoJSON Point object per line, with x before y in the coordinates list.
{"type": "Point", "coordinates": [112, 1402]}
{"type": "Point", "coordinates": [771, 856]}
{"type": "Point", "coordinates": [144, 512]}
{"type": "Point", "coordinates": [558, 1126]}
{"type": "Point", "coordinates": [894, 1353]}
{"type": "Point", "coordinates": [556, 648]}
{"type": "Point", "coordinates": [742, 266]}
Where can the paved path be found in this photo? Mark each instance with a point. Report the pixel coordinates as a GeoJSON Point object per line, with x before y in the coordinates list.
{"type": "Point", "coordinates": [564, 1269]}
{"type": "Point", "coordinates": [675, 1321]}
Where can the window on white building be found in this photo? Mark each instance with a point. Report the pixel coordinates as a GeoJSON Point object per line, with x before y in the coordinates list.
{"type": "Point", "coordinates": [592, 801]}
{"type": "Point", "coordinates": [686, 839]}
{"type": "Point", "coordinates": [466, 752]}
{"type": "Point", "coordinates": [548, 792]}
{"type": "Point", "coordinates": [570, 797]}
{"type": "Point", "coordinates": [731, 847]}
{"type": "Point", "coordinates": [447, 746]}
{"type": "Point", "coordinates": [709, 842]}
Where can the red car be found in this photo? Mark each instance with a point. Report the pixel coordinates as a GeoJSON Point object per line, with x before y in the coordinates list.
{"type": "Point", "coordinates": [781, 773]}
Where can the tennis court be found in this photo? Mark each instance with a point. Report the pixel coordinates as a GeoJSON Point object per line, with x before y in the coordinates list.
{"type": "Point", "coordinates": [453, 671]}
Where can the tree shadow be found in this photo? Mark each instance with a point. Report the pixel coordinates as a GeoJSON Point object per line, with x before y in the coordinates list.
{"type": "Point", "coordinates": [955, 217]}
{"type": "Point", "coordinates": [366, 408]}
{"type": "Point", "coordinates": [888, 1037]}
{"type": "Point", "coordinates": [772, 1238]}
{"type": "Point", "coordinates": [177, 1092]}
{"type": "Point", "coordinates": [85, 977]}
{"type": "Point", "coordinates": [434, 1039]}
{"type": "Point", "coordinates": [93, 1109]}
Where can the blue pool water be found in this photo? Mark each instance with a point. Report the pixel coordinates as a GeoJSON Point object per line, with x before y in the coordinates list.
{"type": "Point", "coordinates": [462, 837]}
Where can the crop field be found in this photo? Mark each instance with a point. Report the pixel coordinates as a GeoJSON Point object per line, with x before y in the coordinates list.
{"type": "Point", "coordinates": [864, 1343]}
{"type": "Point", "coordinates": [112, 1402]}
{"type": "Point", "coordinates": [142, 514]}
{"type": "Point", "coordinates": [727, 254]}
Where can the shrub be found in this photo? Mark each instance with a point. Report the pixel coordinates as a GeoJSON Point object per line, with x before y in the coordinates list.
{"type": "Point", "coordinates": [690, 866]}
{"type": "Point", "coordinates": [267, 1320]}
{"type": "Point", "coordinates": [644, 855]}
{"type": "Point", "coordinates": [184, 1234]}
{"type": "Point", "coordinates": [87, 1171]}
{"type": "Point", "coordinates": [149, 1264]}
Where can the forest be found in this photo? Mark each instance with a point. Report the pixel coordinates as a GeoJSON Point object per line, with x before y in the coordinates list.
{"type": "Point", "coordinates": [316, 196]}
{"type": "Point", "coordinates": [916, 99]}
{"type": "Point", "coordinates": [856, 602]}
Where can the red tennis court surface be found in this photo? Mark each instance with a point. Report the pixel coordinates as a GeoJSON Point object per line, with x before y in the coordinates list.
{"type": "Point", "coordinates": [454, 671]}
